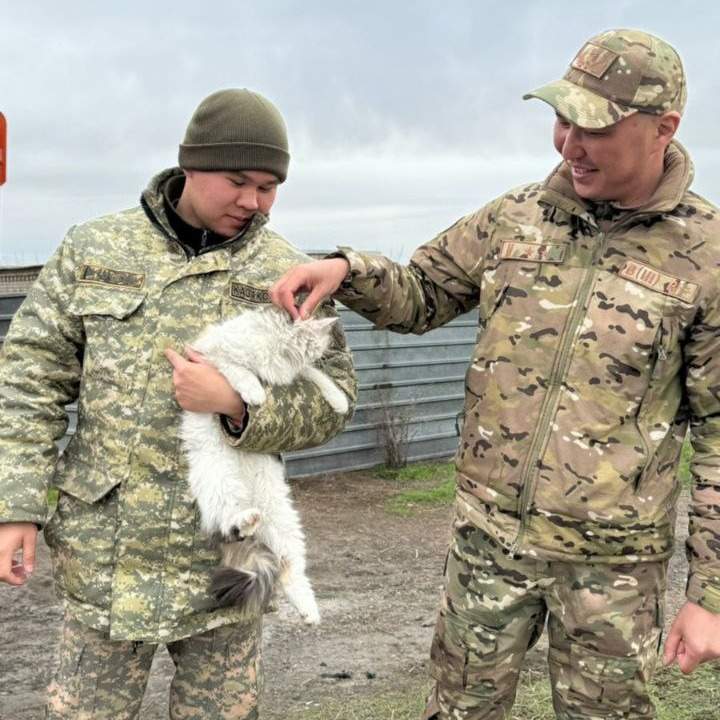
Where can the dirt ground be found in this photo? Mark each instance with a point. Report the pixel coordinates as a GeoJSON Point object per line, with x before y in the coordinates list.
{"type": "Point", "coordinates": [377, 577]}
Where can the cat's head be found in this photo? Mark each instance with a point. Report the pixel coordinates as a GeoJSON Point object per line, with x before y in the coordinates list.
{"type": "Point", "coordinates": [313, 337]}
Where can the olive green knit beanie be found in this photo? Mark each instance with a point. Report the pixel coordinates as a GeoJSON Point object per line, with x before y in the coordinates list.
{"type": "Point", "coordinates": [236, 129]}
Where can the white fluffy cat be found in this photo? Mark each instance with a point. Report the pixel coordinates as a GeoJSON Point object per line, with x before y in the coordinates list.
{"type": "Point", "coordinates": [244, 494]}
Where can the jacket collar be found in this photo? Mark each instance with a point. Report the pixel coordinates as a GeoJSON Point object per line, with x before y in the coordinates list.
{"type": "Point", "coordinates": [677, 176]}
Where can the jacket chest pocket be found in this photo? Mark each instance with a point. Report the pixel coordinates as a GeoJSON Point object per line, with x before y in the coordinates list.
{"type": "Point", "coordinates": [524, 303]}
{"type": "Point", "coordinates": [630, 329]}
{"type": "Point", "coordinates": [622, 322]}
{"type": "Point", "coordinates": [113, 320]}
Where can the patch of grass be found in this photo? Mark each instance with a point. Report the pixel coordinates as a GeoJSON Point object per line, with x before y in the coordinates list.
{"type": "Point", "coordinates": [406, 705]}
{"type": "Point", "coordinates": [687, 697]}
{"type": "Point", "coordinates": [684, 470]}
{"type": "Point", "coordinates": [434, 484]}
{"type": "Point", "coordinates": [417, 472]}
{"type": "Point", "coordinates": [676, 697]}
{"type": "Point", "coordinates": [406, 502]}
{"type": "Point", "coordinates": [534, 698]}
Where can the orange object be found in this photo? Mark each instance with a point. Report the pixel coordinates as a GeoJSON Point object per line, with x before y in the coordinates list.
{"type": "Point", "coordinates": [3, 149]}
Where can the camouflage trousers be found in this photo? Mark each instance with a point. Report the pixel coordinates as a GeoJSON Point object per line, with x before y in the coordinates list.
{"type": "Point", "coordinates": [604, 630]}
{"type": "Point", "coordinates": [217, 675]}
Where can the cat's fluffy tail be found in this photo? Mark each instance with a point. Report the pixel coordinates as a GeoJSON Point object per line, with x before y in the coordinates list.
{"type": "Point", "coordinates": [247, 576]}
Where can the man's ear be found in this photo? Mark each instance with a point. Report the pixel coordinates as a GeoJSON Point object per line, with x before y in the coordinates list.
{"type": "Point", "coordinates": [667, 126]}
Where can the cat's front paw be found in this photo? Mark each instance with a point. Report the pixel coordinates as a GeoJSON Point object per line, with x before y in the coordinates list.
{"type": "Point", "coordinates": [339, 402]}
{"type": "Point", "coordinates": [253, 394]}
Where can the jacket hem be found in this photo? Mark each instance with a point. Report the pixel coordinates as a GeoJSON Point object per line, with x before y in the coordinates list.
{"type": "Point", "coordinates": [505, 533]}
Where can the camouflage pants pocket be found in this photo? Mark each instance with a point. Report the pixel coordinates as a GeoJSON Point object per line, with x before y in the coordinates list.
{"type": "Point", "coordinates": [66, 688]}
{"type": "Point", "coordinates": [218, 674]}
{"type": "Point", "coordinates": [464, 665]}
{"type": "Point", "coordinates": [591, 686]}
{"type": "Point", "coordinates": [97, 678]}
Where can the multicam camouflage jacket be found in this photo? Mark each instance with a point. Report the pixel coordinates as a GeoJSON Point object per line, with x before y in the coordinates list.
{"type": "Point", "coordinates": [598, 344]}
{"type": "Point", "coordinates": [120, 290]}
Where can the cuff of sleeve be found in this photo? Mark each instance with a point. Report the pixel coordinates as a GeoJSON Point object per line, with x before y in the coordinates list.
{"type": "Point", "coordinates": [704, 592]}
{"type": "Point", "coordinates": [263, 429]}
{"type": "Point", "coordinates": [358, 267]}
{"type": "Point", "coordinates": [38, 522]}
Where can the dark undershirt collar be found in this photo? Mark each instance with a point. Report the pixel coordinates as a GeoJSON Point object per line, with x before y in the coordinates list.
{"type": "Point", "coordinates": [196, 240]}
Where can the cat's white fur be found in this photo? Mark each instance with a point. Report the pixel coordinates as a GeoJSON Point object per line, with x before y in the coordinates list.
{"type": "Point", "coordinates": [245, 493]}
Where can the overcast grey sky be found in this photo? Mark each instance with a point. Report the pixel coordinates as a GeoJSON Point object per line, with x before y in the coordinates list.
{"type": "Point", "coordinates": [402, 116]}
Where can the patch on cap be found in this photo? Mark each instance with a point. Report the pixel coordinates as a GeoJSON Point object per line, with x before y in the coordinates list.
{"type": "Point", "coordinates": [594, 60]}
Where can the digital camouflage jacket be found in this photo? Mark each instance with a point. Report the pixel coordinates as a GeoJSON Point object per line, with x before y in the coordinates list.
{"type": "Point", "coordinates": [598, 345]}
{"type": "Point", "coordinates": [130, 556]}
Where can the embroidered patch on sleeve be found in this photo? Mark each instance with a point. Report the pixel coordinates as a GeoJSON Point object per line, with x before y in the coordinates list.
{"type": "Point", "coordinates": [534, 252]}
{"type": "Point", "coordinates": [594, 60]}
{"type": "Point", "coordinates": [651, 278]}
{"type": "Point", "coordinates": [106, 276]}
{"type": "Point", "coordinates": [249, 293]}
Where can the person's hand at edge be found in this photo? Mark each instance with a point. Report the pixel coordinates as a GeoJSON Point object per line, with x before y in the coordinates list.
{"type": "Point", "coordinates": [694, 638]}
{"type": "Point", "coordinates": [14, 537]}
{"type": "Point", "coordinates": [320, 279]}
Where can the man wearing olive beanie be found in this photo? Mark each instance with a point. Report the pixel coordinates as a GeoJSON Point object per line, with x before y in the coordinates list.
{"type": "Point", "coordinates": [108, 324]}
{"type": "Point", "coordinates": [233, 156]}
{"type": "Point", "coordinates": [236, 130]}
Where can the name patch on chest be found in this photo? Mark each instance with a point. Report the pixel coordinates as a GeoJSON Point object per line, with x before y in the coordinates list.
{"type": "Point", "coordinates": [94, 275]}
{"type": "Point", "coordinates": [535, 252]}
{"type": "Point", "coordinates": [658, 281]}
{"type": "Point", "coordinates": [249, 293]}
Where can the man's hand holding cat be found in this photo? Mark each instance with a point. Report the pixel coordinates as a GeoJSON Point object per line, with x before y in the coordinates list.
{"type": "Point", "coordinates": [199, 387]}
{"type": "Point", "coordinates": [320, 279]}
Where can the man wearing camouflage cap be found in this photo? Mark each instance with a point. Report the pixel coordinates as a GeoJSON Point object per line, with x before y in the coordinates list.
{"type": "Point", "coordinates": [106, 324]}
{"type": "Point", "coordinates": [599, 345]}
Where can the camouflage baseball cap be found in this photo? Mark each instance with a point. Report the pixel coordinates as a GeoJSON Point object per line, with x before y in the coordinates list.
{"type": "Point", "coordinates": [616, 74]}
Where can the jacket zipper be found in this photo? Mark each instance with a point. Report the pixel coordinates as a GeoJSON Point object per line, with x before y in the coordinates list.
{"type": "Point", "coordinates": [557, 374]}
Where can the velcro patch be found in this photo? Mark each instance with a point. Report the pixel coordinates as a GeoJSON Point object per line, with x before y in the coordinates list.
{"type": "Point", "coordinates": [658, 281]}
{"type": "Point", "coordinates": [594, 60]}
{"type": "Point", "coordinates": [534, 252]}
{"type": "Point", "coordinates": [106, 276]}
{"type": "Point", "coordinates": [249, 293]}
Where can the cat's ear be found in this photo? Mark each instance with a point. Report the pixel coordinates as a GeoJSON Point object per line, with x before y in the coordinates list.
{"type": "Point", "coordinates": [317, 324]}
{"type": "Point", "coordinates": [324, 323]}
